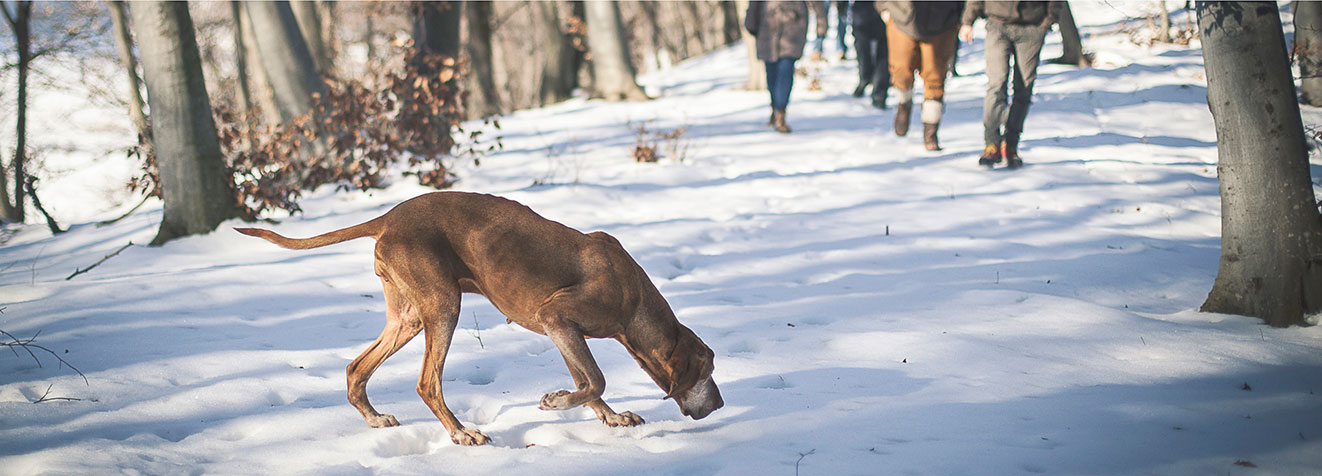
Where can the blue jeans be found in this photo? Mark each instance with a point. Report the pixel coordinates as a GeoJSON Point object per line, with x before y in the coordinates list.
{"type": "Point", "coordinates": [780, 80]}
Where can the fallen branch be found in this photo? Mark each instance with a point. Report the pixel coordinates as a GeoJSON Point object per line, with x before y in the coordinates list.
{"type": "Point", "coordinates": [126, 214]}
{"type": "Point", "coordinates": [45, 397]}
{"type": "Point", "coordinates": [79, 271]}
{"type": "Point", "coordinates": [27, 345]}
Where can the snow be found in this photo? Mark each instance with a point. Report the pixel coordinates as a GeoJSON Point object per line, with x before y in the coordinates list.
{"type": "Point", "coordinates": [875, 308]}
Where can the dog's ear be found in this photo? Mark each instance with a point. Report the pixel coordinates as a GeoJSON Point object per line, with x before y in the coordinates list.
{"type": "Point", "coordinates": [690, 362]}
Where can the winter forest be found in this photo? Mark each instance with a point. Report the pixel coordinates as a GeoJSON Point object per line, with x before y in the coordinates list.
{"type": "Point", "coordinates": [930, 238]}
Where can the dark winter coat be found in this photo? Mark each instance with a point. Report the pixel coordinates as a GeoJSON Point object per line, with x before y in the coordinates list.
{"type": "Point", "coordinates": [866, 20]}
{"type": "Point", "coordinates": [1015, 12]}
{"type": "Point", "coordinates": [923, 20]}
{"type": "Point", "coordinates": [781, 28]}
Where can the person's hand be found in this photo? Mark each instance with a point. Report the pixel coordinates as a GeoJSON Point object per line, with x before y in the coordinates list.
{"type": "Point", "coordinates": [966, 33]}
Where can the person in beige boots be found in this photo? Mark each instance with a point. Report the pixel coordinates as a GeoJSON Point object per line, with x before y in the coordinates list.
{"type": "Point", "coordinates": [921, 36]}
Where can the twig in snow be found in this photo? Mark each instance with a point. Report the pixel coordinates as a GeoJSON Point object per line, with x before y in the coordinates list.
{"type": "Point", "coordinates": [79, 271]}
{"type": "Point", "coordinates": [800, 460]}
{"type": "Point", "coordinates": [45, 397]}
{"type": "Point", "coordinates": [477, 332]}
{"type": "Point", "coordinates": [27, 345]}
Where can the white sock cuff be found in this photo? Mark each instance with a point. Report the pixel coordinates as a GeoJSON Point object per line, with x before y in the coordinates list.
{"type": "Point", "coordinates": [905, 96]}
{"type": "Point", "coordinates": [932, 111]}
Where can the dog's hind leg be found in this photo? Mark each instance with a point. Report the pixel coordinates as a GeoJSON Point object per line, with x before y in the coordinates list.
{"type": "Point", "coordinates": [402, 324]}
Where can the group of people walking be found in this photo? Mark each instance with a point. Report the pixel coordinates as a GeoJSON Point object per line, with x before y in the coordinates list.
{"type": "Point", "coordinates": [897, 41]}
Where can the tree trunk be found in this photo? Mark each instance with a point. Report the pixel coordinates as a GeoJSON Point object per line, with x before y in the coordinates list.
{"type": "Point", "coordinates": [1271, 236]}
{"type": "Point", "coordinates": [1308, 50]}
{"type": "Point", "coordinates": [259, 89]}
{"type": "Point", "coordinates": [436, 29]}
{"type": "Point", "coordinates": [557, 68]}
{"type": "Point", "coordinates": [482, 99]}
{"type": "Point", "coordinates": [194, 182]}
{"type": "Point", "coordinates": [1070, 42]}
{"type": "Point", "coordinates": [1163, 23]}
{"type": "Point", "coordinates": [730, 26]}
{"type": "Point", "coordinates": [240, 58]}
{"type": "Point", "coordinates": [284, 54]}
{"type": "Point", "coordinates": [20, 22]}
{"type": "Point", "coordinates": [612, 69]}
{"type": "Point", "coordinates": [757, 71]}
{"type": "Point", "coordinates": [309, 25]}
{"type": "Point", "coordinates": [119, 14]}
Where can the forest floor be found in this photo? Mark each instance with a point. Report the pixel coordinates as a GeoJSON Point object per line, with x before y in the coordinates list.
{"type": "Point", "coordinates": [874, 308]}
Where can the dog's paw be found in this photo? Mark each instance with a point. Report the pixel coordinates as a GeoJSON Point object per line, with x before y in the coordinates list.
{"type": "Point", "coordinates": [382, 421]}
{"type": "Point", "coordinates": [623, 419]}
{"type": "Point", "coordinates": [469, 437]}
{"type": "Point", "coordinates": [555, 401]}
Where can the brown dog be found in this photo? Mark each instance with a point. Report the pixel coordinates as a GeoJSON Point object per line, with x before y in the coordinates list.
{"type": "Point", "coordinates": [548, 278]}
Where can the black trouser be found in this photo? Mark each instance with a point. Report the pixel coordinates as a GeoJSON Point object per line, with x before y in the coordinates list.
{"type": "Point", "coordinates": [870, 46]}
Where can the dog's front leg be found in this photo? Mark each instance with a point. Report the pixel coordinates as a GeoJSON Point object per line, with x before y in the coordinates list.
{"type": "Point", "coordinates": [588, 380]}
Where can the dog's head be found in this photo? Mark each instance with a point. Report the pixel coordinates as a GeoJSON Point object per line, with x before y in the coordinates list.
{"type": "Point", "coordinates": [691, 385]}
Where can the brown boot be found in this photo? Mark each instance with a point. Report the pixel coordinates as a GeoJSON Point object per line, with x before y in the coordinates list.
{"type": "Point", "coordinates": [778, 121]}
{"type": "Point", "coordinates": [929, 136]}
{"type": "Point", "coordinates": [771, 122]}
{"type": "Point", "coordinates": [902, 112]}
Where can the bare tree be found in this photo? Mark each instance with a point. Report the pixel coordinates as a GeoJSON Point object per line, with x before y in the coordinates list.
{"type": "Point", "coordinates": [289, 66]}
{"type": "Point", "coordinates": [1308, 50]}
{"type": "Point", "coordinates": [482, 98]}
{"type": "Point", "coordinates": [194, 181]}
{"type": "Point", "coordinates": [119, 13]}
{"type": "Point", "coordinates": [20, 22]}
{"type": "Point", "coordinates": [1163, 33]}
{"type": "Point", "coordinates": [613, 74]}
{"type": "Point", "coordinates": [558, 71]}
{"type": "Point", "coordinates": [757, 73]}
{"type": "Point", "coordinates": [310, 26]}
{"type": "Point", "coordinates": [1271, 233]}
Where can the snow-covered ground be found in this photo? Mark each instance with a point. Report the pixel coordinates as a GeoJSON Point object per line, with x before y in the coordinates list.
{"type": "Point", "coordinates": [875, 308]}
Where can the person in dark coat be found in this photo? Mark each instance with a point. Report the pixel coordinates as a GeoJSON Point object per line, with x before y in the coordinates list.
{"type": "Point", "coordinates": [921, 37]}
{"type": "Point", "coordinates": [870, 46]}
{"type": "Point", "coordinates": [1015, 33]}
{"type": "Point", "coordinates": [781, 29]}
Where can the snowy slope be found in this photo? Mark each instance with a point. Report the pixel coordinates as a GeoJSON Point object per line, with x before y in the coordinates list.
{"type": "Point", "coordinates": [875, 308]}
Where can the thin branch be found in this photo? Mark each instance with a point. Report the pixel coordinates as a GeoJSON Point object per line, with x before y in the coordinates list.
{"type": "Point", "coordinates": [27, 345]}
{"type": "Point", "coordinates": [79, 271]}
{"type": "Point", "coordinates": [45, 397]}
{"type": "Point", "coordinates": [126, 214]}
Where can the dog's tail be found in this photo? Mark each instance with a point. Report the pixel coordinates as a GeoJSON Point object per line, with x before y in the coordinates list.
{"type": "Point", "coordinates": [370, 228]}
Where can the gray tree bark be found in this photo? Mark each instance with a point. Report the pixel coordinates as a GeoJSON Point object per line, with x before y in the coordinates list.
{"type": "Point", "coordinates": [20, 22]}
{"type": "Point", "coordinates": [259, 89]}
{"type": "Point", "coordinates": [1308, 50]}
{"type": "Point", "coordinates": [483, 99]}
{"type": "Point", "coordinates": [557, 66]}
{"type": "Point", "coordinates": [119, 15]}
{"type": "Point", "coordinates": [613, 74]}
{"type": "Point", "coordinates": [194, 182]}
{"type": "Point", "coordinates": [289, 66]}
{"type": "Point", "coordinates": [309, 25]}
{"type": "Point", "coordinates": [757, 72]}
{"type": "Point", "coordinates": [1163, 23]}
{"type": "Point", "coordinates": [1271, 233]}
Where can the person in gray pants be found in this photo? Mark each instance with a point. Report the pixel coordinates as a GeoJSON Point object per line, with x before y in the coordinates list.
{"type": "Point", "coordinates": [1016, 30]}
